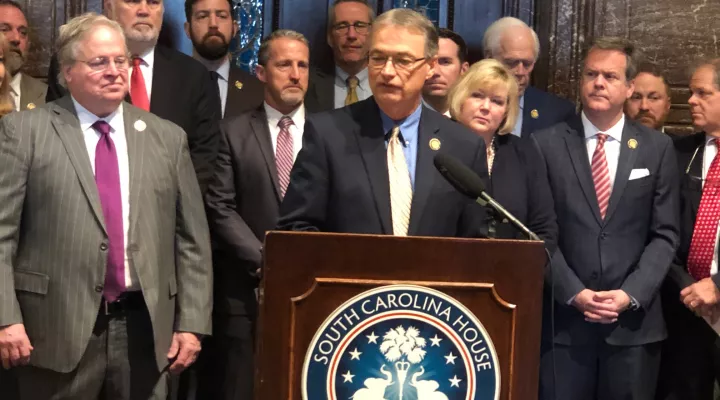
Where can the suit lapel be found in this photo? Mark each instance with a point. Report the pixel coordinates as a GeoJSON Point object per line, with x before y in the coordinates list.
{"type": "Point", "coordinates": [371, 140]}
{"type": "Point", "coordinates": [424, 169]}
{"type": "Point", "coordinates": [161, 81]}
{"type": "Point", "coordinates": [136, 156]}
{"type": "Point", "coordinates": [258, 122]}
{"type": "Point", "coordinates": [625, 164]}
{"type": "Point", "coordinates": [67, 126]}
{"type": "Point", "coordinates": [575, 141]}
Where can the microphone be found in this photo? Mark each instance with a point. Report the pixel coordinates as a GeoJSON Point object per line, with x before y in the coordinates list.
{"type": "Point", "coordinates": [467, 182]}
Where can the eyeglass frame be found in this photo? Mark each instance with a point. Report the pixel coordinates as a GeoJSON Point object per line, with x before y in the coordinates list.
{"type": "Point", "coordinates": [343, 28]}
{"type": "Point", "coordinates": [392, 59]}
{"type": "Point", "coordinates": [107, 59]}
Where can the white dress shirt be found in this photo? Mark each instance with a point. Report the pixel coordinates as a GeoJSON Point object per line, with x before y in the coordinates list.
{"type": "Point", "coordinates": [223, 71]}
{"type": "Point", "coordinates": [708, 156]}
{"type": "Point", "coordinates": [117, 134]}
{"type": "Point", "coordinates": [146, 66]}
{"type": "Point", "coordinates": [15, 90]}
{"type": "Point", "coordinates": [517, 129]}
{"type": "Point", "coordinates": [612, 144]}
{"type": "Point", "coordinates": [296, 129]}
{"type": "Point", "coordinates": [341, 87]}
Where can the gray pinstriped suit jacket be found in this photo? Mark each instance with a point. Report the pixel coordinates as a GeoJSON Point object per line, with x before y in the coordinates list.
{"type": "Point", "coordinates": [52, 234]}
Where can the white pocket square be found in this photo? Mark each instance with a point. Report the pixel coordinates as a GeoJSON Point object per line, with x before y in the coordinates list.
{"type": "Point", "coordinates": [638, 173]}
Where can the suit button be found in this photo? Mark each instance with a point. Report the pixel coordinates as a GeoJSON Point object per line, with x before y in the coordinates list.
{"type": "Point", "coordinates": [103, 247]}
{"type": "Point", "coordinates": [99, 288]}
{"type": "Point", "coordinates": [603, 236]}
{"type": "Point", "coordinates": [594, 275]}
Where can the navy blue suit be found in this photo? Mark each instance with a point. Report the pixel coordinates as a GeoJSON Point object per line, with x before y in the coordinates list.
{"type": "Point", "coordinates": [630, 249]}
{"type": "Point", "coordinates": [519, 182]}
{"type": "Point", "coordinates": [339, 182]}
{"type": "Point", "coordinates": [549, 110]}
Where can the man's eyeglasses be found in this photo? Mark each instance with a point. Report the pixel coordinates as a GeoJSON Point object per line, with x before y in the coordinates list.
{"type": "Point", "coordinates": [361, 28]}
{"type": "Point", "coordinates": [400, 62]}
{"type": "Point", "coordinates": [103, 63]}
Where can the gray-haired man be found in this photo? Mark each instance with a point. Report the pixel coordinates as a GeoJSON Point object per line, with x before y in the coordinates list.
{"type": "Point", "coordinates": [104, 248]}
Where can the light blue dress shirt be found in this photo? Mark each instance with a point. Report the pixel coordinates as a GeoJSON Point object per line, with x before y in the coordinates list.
{"type": "Point", "coordinates": [409, 132]}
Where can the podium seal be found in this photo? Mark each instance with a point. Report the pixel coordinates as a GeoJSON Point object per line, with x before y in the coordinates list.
{"type": "Point", "coordinates": [401, 342]}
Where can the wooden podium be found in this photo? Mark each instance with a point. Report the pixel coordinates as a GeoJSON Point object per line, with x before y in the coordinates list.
{"type": "Point", "coordinates": [308, 276]}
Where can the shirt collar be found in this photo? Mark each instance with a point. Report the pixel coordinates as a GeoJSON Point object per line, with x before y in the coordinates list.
{"type": "Point", "coordinates": [408, 126]}
{"type": "Point", "coordinates": [297, 115]}
{"type": "Point", "coordinates": [15, 83]}
{"type": "Point", "coordinates": [341, 77]}
{"type": "Point", "coordinates": [148, 57]}
{"type": "Point", "coordinates": [87, 119]}
{"type": "Point", "coordinates": [224, 70]}
{"type": "Point", "coordinates": [591, 130]}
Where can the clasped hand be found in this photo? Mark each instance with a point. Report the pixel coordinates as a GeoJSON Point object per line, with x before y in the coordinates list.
{"type": "Point", "coordinates": [702, 298]}
{"type": "Point", "coordinates": [601, 307]}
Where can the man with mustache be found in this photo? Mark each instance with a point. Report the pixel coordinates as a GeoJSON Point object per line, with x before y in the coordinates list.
{"type": "Point", "coordinates": [690, 364]}
{"type": "Point", "coordinates": [650, 102]}
{"type": "Point", "coordinates": [258, 150]}
{"type": "Point", "coordinates": [451, 64]}
{"type": "Point", "coordinates": [349, 24]}
{"type": "Point", "coordinates": [615, 187]}
{"type": "Point", "coordinates": [164, 81]}
{"type": "Point", "coordinates": [26, 91]}
{"type": "Point", "coordinates": [513, 43]}
{"type": "Point", "coordinates": [211, 25]}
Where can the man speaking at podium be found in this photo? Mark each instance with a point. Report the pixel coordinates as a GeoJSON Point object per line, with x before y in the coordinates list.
{"type": "Point", "coordinates": [368, 168]}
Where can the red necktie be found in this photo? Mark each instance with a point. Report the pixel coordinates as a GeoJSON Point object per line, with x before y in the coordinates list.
{"type": "Point", "coordinates": [107, 178]}
{"type": "Point", "coordinates": [284, 154]}
{"type": "Point", "coordinates": [601, 174]}
{"type": "Point", "coordinates": [702, 246]}
{"type": "Point", "coordinates": [138, 93]}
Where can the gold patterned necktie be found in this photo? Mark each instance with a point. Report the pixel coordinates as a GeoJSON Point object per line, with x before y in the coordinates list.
{"type": "Point", "coordinates": [400, 185]}
{"type": "Point", "coordinates": [352, 84]}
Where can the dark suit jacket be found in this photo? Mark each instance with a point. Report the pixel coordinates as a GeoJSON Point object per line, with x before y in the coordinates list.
{"type": "Point", "coordinates": [550, 110]}
{"type": "Point", "coordinates": [246, 97]}
{"type": "Point", "coordinates": [340, 179]}
{"type": "Point", "coordinates": [631, 249]}
{"type": "Point", "coordinates": [519, 183]}
{"type": "Point", "coordinates": [321, 91]}
{"type": "Point", "coordinates": [183, 93]}
{"type": "Point", "coordinates": [242, 202]}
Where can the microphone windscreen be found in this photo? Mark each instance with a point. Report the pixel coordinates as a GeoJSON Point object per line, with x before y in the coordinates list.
{"type": "Point", "coordinates": [464, 179]}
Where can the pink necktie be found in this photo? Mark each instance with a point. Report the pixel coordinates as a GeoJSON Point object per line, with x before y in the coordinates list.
{"type": "Point", "coordinates": [107, 178]}
{"type": "Point", "coordinates": [284, 154]}
{"type": "Point", "coordinates": [601, 174]}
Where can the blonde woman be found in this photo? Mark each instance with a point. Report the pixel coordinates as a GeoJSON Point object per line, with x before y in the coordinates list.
{"type": "Point", "coordinates": [485, 100]}
{"type": "Point", "coordinates": [6, 104]}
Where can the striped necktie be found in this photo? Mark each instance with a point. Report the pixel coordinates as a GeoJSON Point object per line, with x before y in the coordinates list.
{"type": "Point", "coordinates": [400, 185]}
{"type": "Point", "coordinates": [284, 154]}
{"type": "Point", "coordinates": [601, 174]}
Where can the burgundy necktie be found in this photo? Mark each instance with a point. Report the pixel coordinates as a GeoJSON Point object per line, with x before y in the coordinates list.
{"type": "Point", "coordinates": [702, 245]}
{"type": "Point", "coordinates": [284, 154]}
{"type": "Point", "coordinates": [138, 92]}
{"type": "Point", "coordinates": [107, 178]}
{"type": "Point", "coordinates": [601, 174]}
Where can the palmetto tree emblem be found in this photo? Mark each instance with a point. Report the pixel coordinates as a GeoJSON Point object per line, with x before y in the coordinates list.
{"type": "Point", "coordinates": [399, 344]}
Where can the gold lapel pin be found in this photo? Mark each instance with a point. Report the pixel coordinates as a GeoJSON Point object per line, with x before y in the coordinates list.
{"type": "Point", "coordinates": [534, 114]}
{"type": "Point", "coordinates": [632, 143]}
{"type": "Point", "coordinates": [435, 144]}
{"type": "Point", "coordinates": [30, 106]}
{"type": "Point", "coordinates": [238, 84]}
